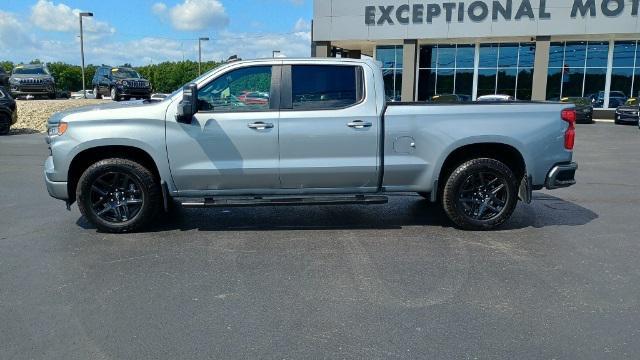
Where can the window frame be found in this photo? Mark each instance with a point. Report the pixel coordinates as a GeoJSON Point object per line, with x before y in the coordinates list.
{"type": "Point", "coordinates": [286, 97]}
{"type": "Point", "coordinates": [274, 91]}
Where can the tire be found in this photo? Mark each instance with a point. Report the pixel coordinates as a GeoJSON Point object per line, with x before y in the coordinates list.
{"type": "Point", "coordinates": [5, 124]}
{"type": "Point", "coordinates": [489, 203]}
{"type": "Point", "coordinates": [96, 92]}
{"type": "Point", "coordinates": [137, 190]}
{"type": "Point", "coordinates": [114, 94]}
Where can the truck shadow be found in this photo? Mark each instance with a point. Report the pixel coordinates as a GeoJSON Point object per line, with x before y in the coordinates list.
{"type": "Point", "coordinates": [402, 211]}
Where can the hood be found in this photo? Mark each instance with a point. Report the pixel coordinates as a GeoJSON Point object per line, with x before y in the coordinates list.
{"type": "Point", "coordinates": [34, 76]}
{"type": "Point", "coordinates": [109, 111]}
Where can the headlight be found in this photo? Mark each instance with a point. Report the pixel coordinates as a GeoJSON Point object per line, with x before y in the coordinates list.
{"type": "Point", "coordinates": [58, 130]}
{"type": "Point", "coordinates": [14, 81]}
{"type": "Point", "coordinates": [125, 83]}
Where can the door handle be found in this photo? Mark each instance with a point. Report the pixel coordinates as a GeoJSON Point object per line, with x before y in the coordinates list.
{"type": "Point", "coordinates": [260, 126]}
{"type": "Point", "coordinates": [359, 124]}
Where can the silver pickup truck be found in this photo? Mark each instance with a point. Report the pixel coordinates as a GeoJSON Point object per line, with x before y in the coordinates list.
{"type": "Point", "coordinates": [304, 132]}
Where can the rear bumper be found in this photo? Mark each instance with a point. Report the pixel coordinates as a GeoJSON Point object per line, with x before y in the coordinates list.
{"type": "Point", "coordinates": [562, 176]}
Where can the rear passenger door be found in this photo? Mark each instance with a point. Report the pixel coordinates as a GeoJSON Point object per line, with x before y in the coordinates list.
{"type": "Point", "coordinates": [329, 130]}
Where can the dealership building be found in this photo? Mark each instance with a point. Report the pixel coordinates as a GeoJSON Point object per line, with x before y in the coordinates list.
{"type": "Point", "coordinates": [530, 49]}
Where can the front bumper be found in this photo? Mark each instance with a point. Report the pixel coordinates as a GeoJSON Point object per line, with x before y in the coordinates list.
{"type": "Point", "coordinates": [40, 90]}
{"type": "Point", "coordinates": [627, 118]}
{"type": "Point", "coordinates": [56, 189]}
{"type": "Point", "coordinates": [562, 176]}
{"type": "Point", "coordinates": [123, 91]}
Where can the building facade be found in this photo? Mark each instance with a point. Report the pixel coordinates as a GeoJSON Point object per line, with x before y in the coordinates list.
{"type": "Point", "coordinates": [529, 49]}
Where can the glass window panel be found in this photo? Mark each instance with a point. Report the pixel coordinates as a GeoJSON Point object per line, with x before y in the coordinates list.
{"type": "Point", "coordinates": [387, 56]}
{"type": "Point", "coordinates": [242, 90]}
{"type": "Point", "coordinates": [508, 55]}
{"type": "Point", "coordinates": [525, 84]}
{"type": "Point", "coordinates": [594, 82]}
{"type": "Point", "coordinates": [426, 84]}
{"type": "Point", "coordinates": [507, 81]}
{"type": "Point", "coordinates": [575, 54]}
{"type": "Point", "coordinates": [444, 83]}
{"type": "Point", "coordinates": [399, 57]}
{"type": "Point", "coordinates": [317, 87]}
{"type": "Point", "coordinates": [554, 80]}
{"type": "Point", "coordinates": [556, 55]}
{"type": "Point", "coordinates": [388, 75]}
{"type": "Point", "coordinates": [446, 56]}
{"type": "Point", "coordinates": [597, 54]}
{"type": "Point", "coordinates": [572, 80]}
{"type": "Point", "coordinates": [624, 53]}
{"type": "Point", "coordinates": [398, 90]}
{"type": "Point", "coordinates": [486, 82]}
{"type": "Point", "coordinates": [636, 85]}
{"type": "Point", "coordinates": [488, 55]}
{"type": "Point", "coordinates": [621, 80]}
{"type": "Point", "coordinates": [465, 56]}
{"type": "Point", "coordinates": [527, 54]}
{"type": "Point", "coordinates": [427, 56]}
{"type": "Point", "coordinates": [464, 82]}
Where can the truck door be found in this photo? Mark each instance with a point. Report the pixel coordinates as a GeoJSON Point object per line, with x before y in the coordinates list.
{"type": "Point", "coordinates": [329, 129]}
{"type": "Point", "coordinates": [232, 143]}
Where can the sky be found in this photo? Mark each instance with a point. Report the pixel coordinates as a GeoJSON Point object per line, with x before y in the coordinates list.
{"type": "Point", "coordinates": [142, 32]}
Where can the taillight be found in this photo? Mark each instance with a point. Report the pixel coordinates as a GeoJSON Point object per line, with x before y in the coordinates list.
{"type": "Point", "coordinates": [569, 115]}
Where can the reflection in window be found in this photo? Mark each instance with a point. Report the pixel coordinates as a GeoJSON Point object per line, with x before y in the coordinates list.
{"type": "Point", "coordinates": [578, 69]}
{"type": "Point", "coordinates": [324, 87]}
{"type": "Point", "coordinates": [506, 69]}
{"type": "Point", "coordinates": [392, 63]}
{"type": "Point", "coordinates": [240, 90]}
{"type": "Point", "coordinates": [446, 69]}
{"type": "Point", "coordinates": [625, 75]}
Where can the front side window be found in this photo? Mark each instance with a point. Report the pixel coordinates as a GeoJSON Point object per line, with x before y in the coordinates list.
{"type": "Point", "coordinates": [322, 87]}
{"type": "Point", "coordinates": [242, 90]}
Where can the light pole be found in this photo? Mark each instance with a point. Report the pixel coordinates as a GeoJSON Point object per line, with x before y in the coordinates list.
{"type": "Point", "coordinates": [81, 15]}
{"type": "Point", "coordinates": [274, 52]}
{"type": "Point", "coordinates": [200, 40]}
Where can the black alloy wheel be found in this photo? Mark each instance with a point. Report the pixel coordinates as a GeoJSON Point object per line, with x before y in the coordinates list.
{"type": "Point", "coordinates": [483, 195]}
{"type": "Point", "coordinates": [116, 197]}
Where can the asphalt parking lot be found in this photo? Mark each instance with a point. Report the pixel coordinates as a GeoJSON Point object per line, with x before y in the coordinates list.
{"type": "Point", "coordinates": [560, 281]}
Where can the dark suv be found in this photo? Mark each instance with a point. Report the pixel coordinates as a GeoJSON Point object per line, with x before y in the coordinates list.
{"type": "Point", "coordinates": [33, 80]}
{"type": "Point", "coordinates": [120, 83]}
{"type": "Point", "coordinates": [8, 112]}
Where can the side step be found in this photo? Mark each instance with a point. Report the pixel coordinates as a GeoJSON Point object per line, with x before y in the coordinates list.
{"type": "Point", "coordinates": [286, 201]}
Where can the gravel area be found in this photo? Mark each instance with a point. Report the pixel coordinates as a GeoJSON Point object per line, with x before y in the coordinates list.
{"type": "Point", "coordinates": [33, 114]}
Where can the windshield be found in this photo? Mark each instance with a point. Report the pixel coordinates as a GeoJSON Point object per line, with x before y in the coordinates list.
{"type": "Point", "coordinates": [21, 70]}
{"type": "Point", "coordinates": [118, 73]}
{"type": "Point", "coordinates": [576, 100]}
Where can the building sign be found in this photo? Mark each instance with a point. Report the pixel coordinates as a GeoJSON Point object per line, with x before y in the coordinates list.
{"type": "Point", "coordinates": [479, 11]}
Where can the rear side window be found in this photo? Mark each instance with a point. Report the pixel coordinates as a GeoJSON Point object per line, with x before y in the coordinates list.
{"type": "Point", "coordinates": [326, 87]}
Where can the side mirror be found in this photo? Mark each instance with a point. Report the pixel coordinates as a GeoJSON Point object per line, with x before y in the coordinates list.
{"type": "Point", "coordinates": [189, 104]}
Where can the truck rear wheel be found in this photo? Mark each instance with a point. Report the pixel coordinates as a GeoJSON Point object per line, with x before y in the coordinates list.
{"type": "Point", "coordinates": [481, 194]}
{"type": "Point", "coordinates": [119, 195]}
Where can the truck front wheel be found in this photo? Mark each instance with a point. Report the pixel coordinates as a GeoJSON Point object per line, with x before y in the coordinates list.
{"type": "Point", "coordinates": [119, 195]}
{"type": "Point", "coordinates": [480, 194]}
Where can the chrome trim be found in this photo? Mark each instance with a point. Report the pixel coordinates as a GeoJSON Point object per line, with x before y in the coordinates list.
{"type": "Point", "coordinates": [552, 178]}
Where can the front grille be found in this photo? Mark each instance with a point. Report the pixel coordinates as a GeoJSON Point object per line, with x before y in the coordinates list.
{"type": "Point", "coordinates": [137, 84]}
{"type": "Point", "coordinates": [31, 81]}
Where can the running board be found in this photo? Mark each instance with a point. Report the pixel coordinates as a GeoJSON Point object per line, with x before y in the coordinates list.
{"type": "Point", "coordinates": [286, 201]}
